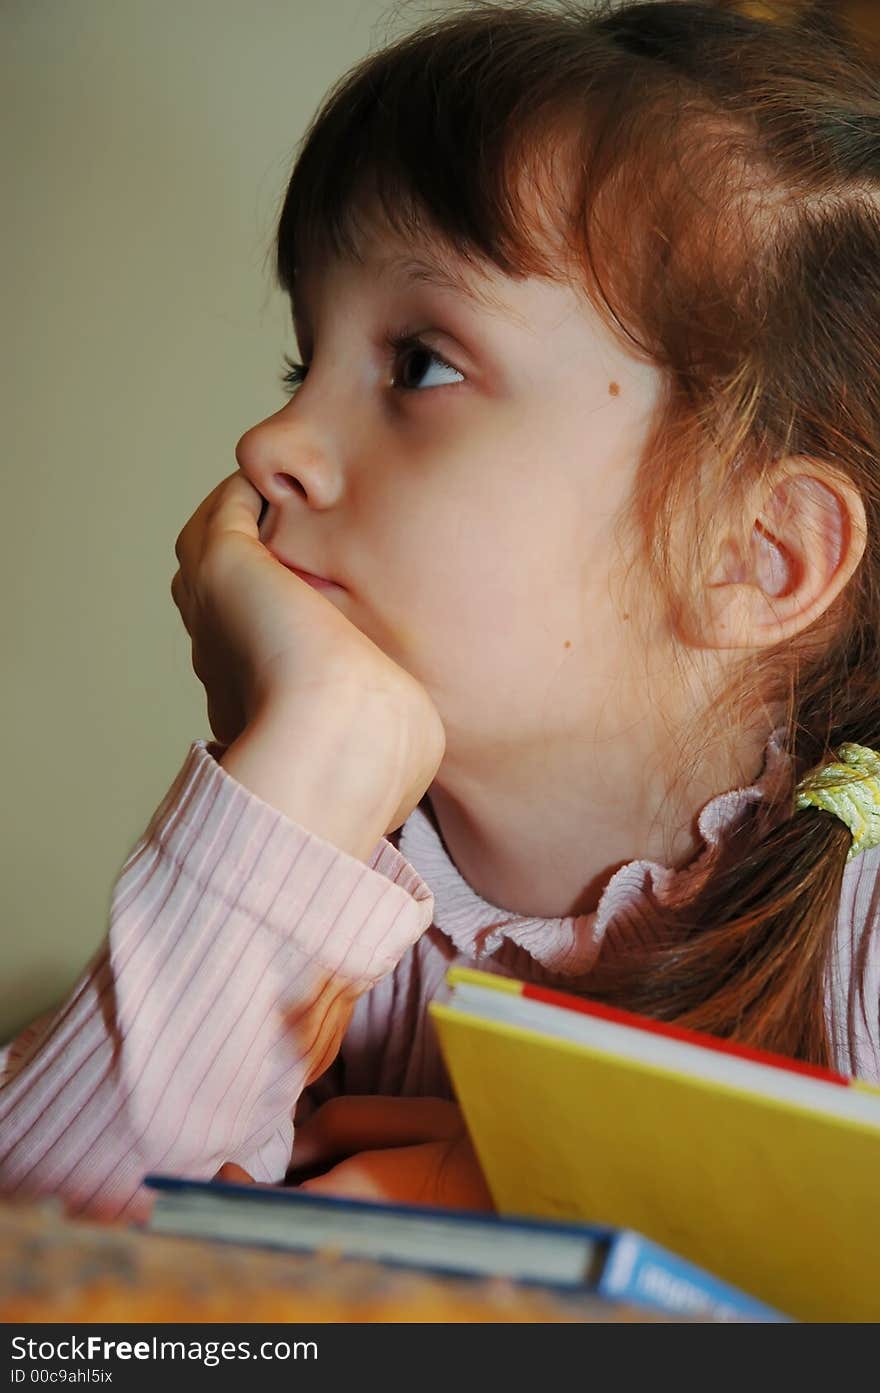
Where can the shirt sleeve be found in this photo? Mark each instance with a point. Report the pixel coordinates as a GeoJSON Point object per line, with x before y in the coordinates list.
{"type": "Point", "coordinates": [238, 945]}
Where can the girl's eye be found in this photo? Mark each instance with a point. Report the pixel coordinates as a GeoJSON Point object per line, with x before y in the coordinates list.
{"type": "Point", "coordinates": [294, 376]}
{"type": "Point", "coordinates": [405, 346]}
{"type": "Point", "coordinates": [413, 351]}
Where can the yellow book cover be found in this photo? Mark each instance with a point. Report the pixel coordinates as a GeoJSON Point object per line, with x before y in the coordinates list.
{"type": "Point", "coordinates": [763, 1171]}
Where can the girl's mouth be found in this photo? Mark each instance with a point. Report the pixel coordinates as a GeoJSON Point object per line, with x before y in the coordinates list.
{"type": "Point", "coordinates": [319, 582]}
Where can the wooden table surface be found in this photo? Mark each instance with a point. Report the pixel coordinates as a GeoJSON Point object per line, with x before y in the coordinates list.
{"type": "Point", "coordinates": [55, 1269]}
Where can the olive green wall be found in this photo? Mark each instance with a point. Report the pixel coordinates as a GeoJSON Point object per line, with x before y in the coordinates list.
{"type": "Point", "coordinates": [146, 145]}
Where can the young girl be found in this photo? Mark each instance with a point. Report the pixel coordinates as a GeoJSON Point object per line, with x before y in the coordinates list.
{"type": "Point", "coordinates": [527, 622]}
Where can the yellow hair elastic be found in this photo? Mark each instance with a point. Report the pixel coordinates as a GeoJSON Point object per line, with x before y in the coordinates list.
{"type": "Point", "coordinates": [850, 789]}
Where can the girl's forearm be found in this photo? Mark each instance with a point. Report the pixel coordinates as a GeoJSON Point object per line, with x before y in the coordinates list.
{"type": "Point", "coordinates": [236, 950]}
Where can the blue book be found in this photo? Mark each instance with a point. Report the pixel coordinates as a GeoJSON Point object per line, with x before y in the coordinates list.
{"type": "Point", "coordinates": [618, 1264]}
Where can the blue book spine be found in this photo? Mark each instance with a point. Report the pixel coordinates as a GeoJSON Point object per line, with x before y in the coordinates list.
{"type": "Point", "coordinates": [641, 1272]}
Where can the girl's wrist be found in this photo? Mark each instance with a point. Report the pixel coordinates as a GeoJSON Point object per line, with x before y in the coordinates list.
{"type": "Point", "coordinates": [323, 770]}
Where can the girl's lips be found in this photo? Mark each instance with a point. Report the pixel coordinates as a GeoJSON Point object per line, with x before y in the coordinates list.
{"type": "Point", "coordinates": [319, 582]}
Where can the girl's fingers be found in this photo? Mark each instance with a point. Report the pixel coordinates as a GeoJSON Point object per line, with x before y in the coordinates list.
{"type": "Point", "coordinates": [238, 505]}
{"type": "Point", "coordinates": [178, 590]}
{"type": "Point", "coordinates": [348, 1125]}
{"type": "Point", "coordinates": [233, 505]}
{"type": "Point", "coordinates": [439, 1173]}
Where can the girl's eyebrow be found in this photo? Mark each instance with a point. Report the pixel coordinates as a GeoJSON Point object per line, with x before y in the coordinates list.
{"type": "Point", "coordinates": [442, 275]}
{"type": "Point", "coordinates": [416, 270]}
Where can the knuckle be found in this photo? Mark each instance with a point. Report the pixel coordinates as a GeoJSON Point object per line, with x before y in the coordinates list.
{"type": "Point", "coordinates": [212, 560]}
{"type": "Point", "coordinates": [178, 590]}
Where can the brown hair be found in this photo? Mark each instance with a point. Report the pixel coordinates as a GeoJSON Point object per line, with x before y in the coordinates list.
{"type": "Point", "coordinates": [741, 156]}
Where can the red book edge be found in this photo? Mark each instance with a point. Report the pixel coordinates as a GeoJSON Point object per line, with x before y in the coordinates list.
{"type": "Point", "coordinates": [675, 1032]}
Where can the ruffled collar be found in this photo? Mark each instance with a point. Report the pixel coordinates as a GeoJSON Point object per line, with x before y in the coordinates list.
{"type": "Point", "coordinates": [627, 911]}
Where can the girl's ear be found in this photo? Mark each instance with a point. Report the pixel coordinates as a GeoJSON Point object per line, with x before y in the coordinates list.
{"type": "Point", "coordinates": [805, 544]}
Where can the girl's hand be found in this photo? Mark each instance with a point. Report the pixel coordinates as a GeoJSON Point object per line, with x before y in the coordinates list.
{"type": "Point", "coordinates": [264, 639]}
{"type": "Point", "coordinates": [402, 1150]}
{"type": "Point", "coordinates": [445, 1174]}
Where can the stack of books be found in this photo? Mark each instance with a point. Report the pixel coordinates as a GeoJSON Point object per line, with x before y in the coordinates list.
{"type": "Point", "coordinates": [649, 1164]}
{"type": "Point", "coordinates": [616, 1264]}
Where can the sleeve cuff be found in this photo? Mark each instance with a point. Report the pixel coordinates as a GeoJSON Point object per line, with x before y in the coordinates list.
{"type": "Point", "coordinates": [241, 850]}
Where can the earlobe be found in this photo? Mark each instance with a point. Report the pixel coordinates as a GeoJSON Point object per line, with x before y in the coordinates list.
{"type": "Point", "coordinates": [805, 544]}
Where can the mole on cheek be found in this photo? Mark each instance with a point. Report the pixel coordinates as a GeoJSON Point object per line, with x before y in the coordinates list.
{"type": "Point", "coordinates": [567, 643]}
{"type": "Point", "coordinates": [613, 389]}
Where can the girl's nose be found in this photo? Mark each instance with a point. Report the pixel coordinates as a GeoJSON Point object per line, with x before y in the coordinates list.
{"type": "Point", "coordinates": [285, 461]}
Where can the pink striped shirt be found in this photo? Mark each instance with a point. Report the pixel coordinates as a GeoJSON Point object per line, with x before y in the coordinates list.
{"type": "Point", "coordinates": [252, 970]}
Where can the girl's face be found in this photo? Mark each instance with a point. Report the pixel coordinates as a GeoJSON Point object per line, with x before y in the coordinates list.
{"type": "Point", "coordinates": [463, 490]}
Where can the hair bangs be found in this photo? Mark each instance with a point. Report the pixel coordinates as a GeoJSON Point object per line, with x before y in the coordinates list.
{"type": "Point", "coordinates": [385, 150]}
